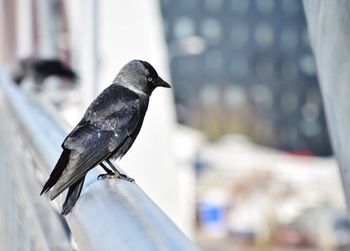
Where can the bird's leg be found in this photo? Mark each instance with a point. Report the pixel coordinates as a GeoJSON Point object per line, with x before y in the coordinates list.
{"type": "Point", "coordinates": [120, 175]}
{"type": "Point", "coordinates": [108, 174]}
{"type": "Point", "coordinates": [108, 171]}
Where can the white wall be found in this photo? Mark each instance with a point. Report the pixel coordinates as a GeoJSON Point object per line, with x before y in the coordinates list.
{"type": "Point", "coordinates": [132, 30]}
{"type": "Point", "coordinates": [128, 30]}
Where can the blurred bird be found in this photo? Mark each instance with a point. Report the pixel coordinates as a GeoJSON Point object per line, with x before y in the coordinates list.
{"type": "Point", "coordinates": [107, 130]}
{"type": "Point", "coordinates": [40, 69]}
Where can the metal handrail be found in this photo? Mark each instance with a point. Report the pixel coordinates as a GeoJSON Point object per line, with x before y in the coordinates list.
{"type": "Point", "coordinates": [110, 214]}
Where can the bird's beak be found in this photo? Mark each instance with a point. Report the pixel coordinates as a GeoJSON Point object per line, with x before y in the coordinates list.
{"type": "Point", "coordinates": [162, 83]}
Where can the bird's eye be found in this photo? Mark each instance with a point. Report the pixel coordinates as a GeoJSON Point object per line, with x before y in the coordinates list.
{"type": "Point", "coordinates": [150, 79]}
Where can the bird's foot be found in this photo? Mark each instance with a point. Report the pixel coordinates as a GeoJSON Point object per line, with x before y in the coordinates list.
{"type": "Point", "coordinates": [106, 176]}
{"type": "Point", "coordinates": [114, 176]}
{"type": "Point", "coordinates": [125, 177]}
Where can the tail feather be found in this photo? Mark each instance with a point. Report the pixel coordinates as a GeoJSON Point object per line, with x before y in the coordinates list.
{"type": "Point", "coordinates": [72, 196]}
{"type": "Point", "coordinates": [57, 171]}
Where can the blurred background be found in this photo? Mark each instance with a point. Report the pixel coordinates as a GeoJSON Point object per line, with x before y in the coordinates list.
{"type": "Point", "coordinates": [240, 156]}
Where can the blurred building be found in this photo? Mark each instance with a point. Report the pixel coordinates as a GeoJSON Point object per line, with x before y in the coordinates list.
{"type": "Point", "coordinates": [246, 66]}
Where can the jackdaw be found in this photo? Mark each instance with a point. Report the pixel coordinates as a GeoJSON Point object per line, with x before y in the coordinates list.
{"type": "Point", "coordinates": [107, 130]}
{"type": "Point", "coordinates": [40, 69]}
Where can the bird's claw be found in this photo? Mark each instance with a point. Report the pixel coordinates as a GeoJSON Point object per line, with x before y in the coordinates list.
{"type": "Point", "coordinates": [114, 176]}
{"type": "Point", "coordinates": [125, 177]}
{"type": "Point", "coordinates": [106, 176]}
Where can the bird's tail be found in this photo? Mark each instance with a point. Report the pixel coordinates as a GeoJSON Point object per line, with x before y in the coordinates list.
{"type": "Point", "coordinates": [72, 196]}
{"type": "Point", "coordinates": [57, 171]}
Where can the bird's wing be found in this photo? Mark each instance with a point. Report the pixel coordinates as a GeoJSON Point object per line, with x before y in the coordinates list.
{"type": "Point", "coordinates": [110, 101]}
{"type": "Point", "coordinates": [92, 141]}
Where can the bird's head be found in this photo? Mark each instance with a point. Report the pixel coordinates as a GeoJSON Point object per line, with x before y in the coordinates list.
{"type": "Point", "coordinates": [141, 77]}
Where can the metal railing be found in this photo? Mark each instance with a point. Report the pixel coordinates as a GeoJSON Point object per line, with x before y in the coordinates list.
{"type": "Point", "coordinates": [27, 221]}
{"type": "Point", "coordinates": [110, 214]}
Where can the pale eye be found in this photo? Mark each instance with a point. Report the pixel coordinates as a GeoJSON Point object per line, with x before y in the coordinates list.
{"type": "Point", "coordinates": [150, 79]}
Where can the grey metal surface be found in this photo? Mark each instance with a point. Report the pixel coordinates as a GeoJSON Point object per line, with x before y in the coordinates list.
{"type": "Point", "coordinates": [27, 222]}
{"type": "Point", "coordinates": [110, 214]}
{"type": "Point", "coordinates": [135, 224]}
{"type": "Point", "coordinates": [329, 31]}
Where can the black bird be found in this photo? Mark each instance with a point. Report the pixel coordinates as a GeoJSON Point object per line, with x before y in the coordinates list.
{"type": "Point", "coordinates": [40, 69]}
{"type": "Point", "coordinates": [107, 130]}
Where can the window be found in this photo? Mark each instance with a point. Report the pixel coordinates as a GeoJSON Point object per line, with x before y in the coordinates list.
{"type": "Point", "coordinates": [289, 38]}
{"type": "Point", "coordinates": [187, 4]}
{"type": "Point", "coordinates": [239, 67]}
{"type": "Point", "coordinates": [211, 30]}
{"type": "Point", "coordinates": [239, 34]}
{"type": "Point", "coordinates": [265, 6]}
{"type": "Point", "coordinates": [310, 111]}
{"type": "Point", "coordinates": [307, 65]}
{"type": "Point", "coordinates": [183, 27]}
{"type": "Point", "coordinates": [289, 70]}
{"type": "Point", "coordinates": [262, 96]}
{"type": "Point", "coordinates": [291, 7]}
{"type": "Point", "coordinates": [289, 101]}
{"type": "Point", "coordinates": [264, 34]}
{"type": "Point", "coordinates": [234, 96]}
{"type": "Point", "coordinates": [305, 37]}
{"type": "Point", "coordinates": [213, 5]}
{"type": "Point", "coordinates": [240, 6]}
{"type": "Point", "coordinates": [310, 128]}
{"type": "Point", "coordinates": [264, 68]}
{"type": "Point", "coordinates": [214, 61]}
{"type": "Point", "coordinates": [209, 94]}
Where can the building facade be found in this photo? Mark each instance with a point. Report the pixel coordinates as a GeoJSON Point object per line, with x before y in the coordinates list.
{"type": "Point", "coordinates": [245, 66]}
